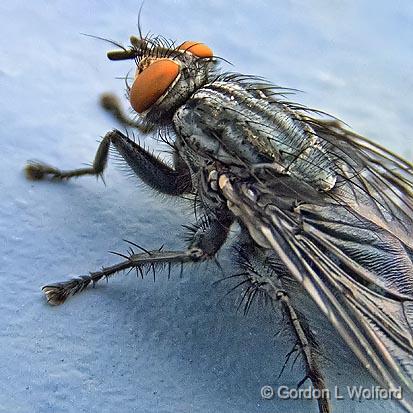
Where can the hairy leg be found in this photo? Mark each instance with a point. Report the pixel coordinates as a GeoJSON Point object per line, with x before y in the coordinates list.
{"type": "Point", "coordinates": [265, 274]}
{"type": "Point", "coordinates": [205, 243]}
{"type": "Point", "coordinates": [112, 105]}
{"type": "Point", "coordinates": [307, 346]}
{"type": "Point", "coordinates": [146, 166]}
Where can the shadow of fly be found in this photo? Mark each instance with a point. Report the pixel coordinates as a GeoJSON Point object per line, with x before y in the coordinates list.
{"type": "Point", "coordinates": [320, 209]}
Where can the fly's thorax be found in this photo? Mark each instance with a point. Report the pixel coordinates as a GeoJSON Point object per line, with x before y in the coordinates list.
{"type": "Point", "coordinates": [165, 81]}
{"type": "Point", "coordinates": [231, 122]}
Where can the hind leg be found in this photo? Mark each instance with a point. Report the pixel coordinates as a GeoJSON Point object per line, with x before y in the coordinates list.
{"type": "Point", "coordinates": [265, 274]}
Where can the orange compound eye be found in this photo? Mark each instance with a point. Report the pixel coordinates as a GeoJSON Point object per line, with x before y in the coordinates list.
{"type": "Point", "coordinates": [152, 83]}
{"type": "Point", "coordinates": [197, 49]}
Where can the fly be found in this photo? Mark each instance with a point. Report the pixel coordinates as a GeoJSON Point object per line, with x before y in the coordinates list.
{"type": "Point", "coordinates": [321, 209]}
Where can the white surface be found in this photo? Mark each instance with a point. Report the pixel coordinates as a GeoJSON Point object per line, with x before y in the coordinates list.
{"type": "Point", "coordinates": [169, 346]}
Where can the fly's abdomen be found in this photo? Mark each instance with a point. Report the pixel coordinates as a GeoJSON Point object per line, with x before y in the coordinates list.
{"type": "Point", "coordinates": [236, 124]}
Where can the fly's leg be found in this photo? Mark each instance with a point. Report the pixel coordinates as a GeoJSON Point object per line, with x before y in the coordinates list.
{"type": "Point", "coordinates": [57, 293]}
{"type": "Point", "coordinates": [37, 170]}
{"type": "Point", "coordinates": [205, 243]}
{"type": "Point", "coordinates": [147, 167]}
{"type": "Point", "coordinates": [111, 104]}
{"type": "Point", "coordinates": [307, 346]}
{"type": "Point", "coordinates": [266, 274]}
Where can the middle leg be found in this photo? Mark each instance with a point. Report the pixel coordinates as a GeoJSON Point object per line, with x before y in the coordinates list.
{"type": "Point", "coordinates": [205, 243]}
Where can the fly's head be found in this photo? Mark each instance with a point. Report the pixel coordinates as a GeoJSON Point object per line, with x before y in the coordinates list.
{"type": "Point", "coordinates": [166, 75]}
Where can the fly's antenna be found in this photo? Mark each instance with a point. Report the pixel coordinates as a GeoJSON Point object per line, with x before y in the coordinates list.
{"type": "Point", "coordinates": [125, 54]}
{"type": "Point", "coordinates": [137, 49]}
{"type": "Point", "coordinates": [121, 54]}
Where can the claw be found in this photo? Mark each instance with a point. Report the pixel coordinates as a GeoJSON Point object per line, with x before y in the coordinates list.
{"type": "Point", "coordinates": [54, 294]}
{"type": "Point", "coordinates": [36, 171]}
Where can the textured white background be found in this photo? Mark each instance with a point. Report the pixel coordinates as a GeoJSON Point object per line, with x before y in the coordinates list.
{"type": "Point", "coordinates": [169, 346]}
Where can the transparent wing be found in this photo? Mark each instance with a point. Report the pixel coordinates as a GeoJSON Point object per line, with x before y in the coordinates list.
{"type": "Point", "coordinates": [379, 183]}
{"type": "Point", "coordinates": [350, 249]}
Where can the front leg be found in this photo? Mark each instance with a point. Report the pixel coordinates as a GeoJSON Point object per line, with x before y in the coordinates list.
{"type": "Point", "coordinates": [205, 243]}
{"type": "Point", "coordinates": [111, 104]}
{"type": "Point", "coordinates": [146, 166]}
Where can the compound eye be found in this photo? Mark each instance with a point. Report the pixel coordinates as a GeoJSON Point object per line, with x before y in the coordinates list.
{"type": "Point", "coordinates": [152, 83]}
{"type": "Point", "coordinates": [197, 49]}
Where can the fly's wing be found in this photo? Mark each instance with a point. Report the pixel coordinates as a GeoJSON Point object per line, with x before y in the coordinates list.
{"type": "Point", "coordinates": [380, 182]}
{"type": "Point", "coordinates": [350, 250]}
